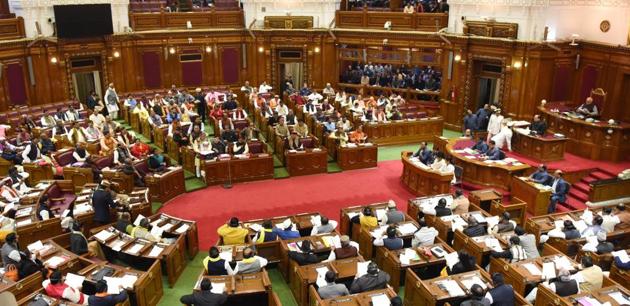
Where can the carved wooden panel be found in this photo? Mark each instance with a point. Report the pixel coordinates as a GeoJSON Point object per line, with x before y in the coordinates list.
{"type": "Point", "coordinates": [491, 29]}
{"type": "Point", "coordinates": [288, 22]}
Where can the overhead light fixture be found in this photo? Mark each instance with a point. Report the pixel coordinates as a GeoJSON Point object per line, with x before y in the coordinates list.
{"type": "Point", "coordinates": [208, 49]}
{"type": "Point", "coordinates": [116, 54]}
{"type": "Point", "coordinates": [458, 58]}
{"type": "Point", "coordinates": [517, 65]}
{"type": "Point", "coordinates": [261, 49]}
{"type": "Point", "coordinates": [53, 59]}
{"type": "Point", "coordinates": [171, 50]}
{"type": "Point", "coordinates": [316, 50]}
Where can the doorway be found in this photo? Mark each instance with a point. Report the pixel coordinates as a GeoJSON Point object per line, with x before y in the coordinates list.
{"type": "Point", "coordinates": [292, 71]}
{"type": "Point", "coordinates": [85, 82]}
{"type": "Point", "coordinates": [488, 82]}
{"type": "Point", "coordinates": [488, 91]}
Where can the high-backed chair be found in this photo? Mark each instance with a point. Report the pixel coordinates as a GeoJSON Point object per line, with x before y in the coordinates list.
{"type": "Point", "coordinates": [599, 99]}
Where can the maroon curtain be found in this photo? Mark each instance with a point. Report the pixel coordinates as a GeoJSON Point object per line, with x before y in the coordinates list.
{"type": "Point", "coordinates": [230, 64]}
{"type": "Point", "coordinates": [562, 78]}
{"type": "Point", "coordinates": [192, 73]}
{"type": "Point", "coordinates": [15, 79]}
{"type": "Point", "coordinates": [589, 82]}
{"type": "Point", "coordinates": [151, 65]}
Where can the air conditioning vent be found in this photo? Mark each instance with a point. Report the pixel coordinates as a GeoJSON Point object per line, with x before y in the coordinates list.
{"type": "Point", "coordinates": [79, 63]}
{"type": "Point", "coordinates": [195, 57]}
{"type": "Point", "coordinates": [492, 68]}
{"type": "Point", "coordinates": [290, 54]}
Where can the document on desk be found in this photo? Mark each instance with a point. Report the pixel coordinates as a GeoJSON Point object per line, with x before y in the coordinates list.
{"type": "Point", "coordinates": [619, 298]}
{"type": "Point", "coordinates": [103, 235]}
{"type": "Point", "coordinates": [316, 220]}
{"type": "Point", "coordinates": [166, 227]}
{"type": "Point", "coordinates": [380, 300]}
{"type": "Point", "coordinates": [590, 301]}
{"type": "Point", "coordinates": [156, 251]}
{"type": "Point", "coordinates": [380, 213]}
{"type": "Point", "coordinates": [182, 229]}
{"type": "Point", "coordinates": [117, 245]}
{"type": "Point", "coordinates": [218, 288]}
{"type": "Point", "coordinates": [128, 281]}
{"type": "Point", "coordinates": [407, 256]}
{"type": "Point", "coordinates": [157, 232]}
{"type": "Point", "coordinates": [352, 214]}
{"type": "Point", "coordinates": [451, 259]}
{"type": "Point", "coordinates": [622, 254]}
{"type": "Point", "coordinates": [255, 227]}
{"type": "Point", "coordinates": [479, 217]}
{"type": "Point", "coordinates": [493, 244]}
{"type": "Point", "coordinates": [469, 282]}
{"type": "Point", "coordinates": [362, 268]}
{"type": "Point", "coordinates": [226, 255]}
{"type": "Point", "coordinates": [55, 261]}
{"type": "Point", "coordinates": [587, 216]}
{"type": "Point", "coordinates": [332, 241]}
{"type": "Point", "coordinates": [562, 262]}
{"type": "Point", "coordinates": [549, 270]}
{"type": "Point", "coordinates": [74, 281]}
{"type": "Point", "coordinates": [35, 246]}
{"type": "Point", "coordinates": [407, 229]}
{"type": "Point", "coordinates": [452, 287]}
{"type": "Point", "coordinates": [138, 219]}
{"type": "Point", "coordinates": [321, 276]}
{"type": "Point", "coordinates": [114, 284]}
{"type": "Point", "coordinates": [135, 248]}
{"type": "Point", "coordinates": [532, 269]}
{"type": "Point", "coordinates": [458, 223]}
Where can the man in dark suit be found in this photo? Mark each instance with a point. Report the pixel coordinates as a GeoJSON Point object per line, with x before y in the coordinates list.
{"type": "Point", "coordinates": [424, 154]}
{"type": "Point", "coordinates": [205, 297]}
{"type": "Point", "coordinates": [539, 126]}
{"type": "Point", "coordinates": [200, 100]}
{"type": "Point", "coordinates": [470, 121]}
{"type": "Point", "coordinates": [493, 152]}
{"type": "Point", "coordinates": [480, 146]}
{"type": "Point", "coordinates": [483, 116]}
{"type": "Point", "coordinates": [560, 188]}
{"type": "Point", "coordinates": [102, 201]}
{"type": "Point", "coordinates": [541, 176]}
{"type": "Point", "coordinates": [474, 229]}
{"type": "Point", "coordinates": [306, 256]}
{"type": "Point", "coordinates": [374, 279]}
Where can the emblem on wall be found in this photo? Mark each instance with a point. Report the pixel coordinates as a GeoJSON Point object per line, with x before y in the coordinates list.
{"type": "Point", "coordinates": [604, 26]}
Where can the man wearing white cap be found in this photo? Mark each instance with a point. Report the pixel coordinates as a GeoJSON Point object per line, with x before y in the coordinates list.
{"type": "Point", "coordinates": [392, 215]}
{"type": "Point", "coordinates": [494, 124]}
{"type": "Point", "coordinates": [504, 137]}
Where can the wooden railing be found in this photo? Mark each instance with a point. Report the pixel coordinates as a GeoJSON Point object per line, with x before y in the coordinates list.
{"type": "Point", "coordinates": [610, 189]}
{"type": "Point", "coordinates": [12, 28]}
{"type": "Point", "coordinates": [430, 22]}
{"type": "Point", "coordinates": [205, 19]}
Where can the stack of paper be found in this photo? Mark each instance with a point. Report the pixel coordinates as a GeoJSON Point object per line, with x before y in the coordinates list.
{"type": "Point", "coordinates": [182, 229]}
{"type": "Point", "coordinates": [458, 223]}
{"type": "Point", "coordinates": [82, 208]}
{"type": "Point", "coordinates": [532, 269]}
{"type": "Point", "coordinates": [407, 256]}
{"type": "Point", "coordinates": [452, 287]}
{"type": "Point", "coordinates": [468, 283]}
{"type": "Point", "coordinates": [332, 240]}
{"type": "Point", "coordinates": [623, 255]}
{"type": "Point", "coordinates": [103, 235]}
{"type": "Point", "coordinates": [479, 217]}
{"type": "Point", "coordinates": [117, 245]}
{"type": "Point", "coordinates": [135, 248]}
{"type": "Point", "coordinates": [451, 259]}
{"type": "Point", "coordinates": [55, 261]}
{"type": "Point", "coordinates": [166, 227]}
{"type": "Point", "coordinates": [156, 251]}
{"type": "Point", "coordinates": [549, 270]}
{"type": "Point", "coordinates": [562, 262]}
{"type": "Point", "coordinates": [407, 229]}
{"type": "Point", "coordinates": [619, 298]}
{"type": "Point", "coordinates": [35, 246]}
{"type": "Point", "coordinates": [362, 268]}
{"type": "Point", "coordinates": [218, 288]}
{"type": "Point", "coordinates": [74, 281]}
{"type": "Point", "coordinates": [380, 300]}
{"type": "Point", "coordinates": [321, 276]}
{"type": "Point", "coordinates": [157, 232]}
{"type": "Point", "coordinates": [128, 281]}
{"type": "Point", "coordinates": [24, 222]}
{"type": "Point", "coordinates": [493, 244]}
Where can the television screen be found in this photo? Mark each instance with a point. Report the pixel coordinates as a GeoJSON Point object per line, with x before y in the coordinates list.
{"type": "Point", "coordinates": [86, 20]}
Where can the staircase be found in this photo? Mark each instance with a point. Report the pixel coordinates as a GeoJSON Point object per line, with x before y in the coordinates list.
{"type": "Point", "coordinates": [578, 194]}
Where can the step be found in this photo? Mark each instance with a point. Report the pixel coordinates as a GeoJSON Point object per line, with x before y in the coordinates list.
{"type": "Point", "coordinates": [579, 195]}
{"type": "Point", "coordinates": [561, 208]}
{"type": "Point", "coordinates": [574, 204]}
{"type": "Point", "coordinates": [600, 175]}
{"type": "Point", "coordinates": [582, 187]}
{"type": "Point", "coordinates": [588, 179]}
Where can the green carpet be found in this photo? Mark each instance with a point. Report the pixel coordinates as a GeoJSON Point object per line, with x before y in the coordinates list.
{"type": "Point", "coordinates": [386, 153]}
{"type": "Point", "coordinates": [276, 162]}
{"type": "Point", "coordinates": [281, 288]}
{"type": "Point", "coordinates": [194, 183]}
{"type": "Point", "coordinates": [185, 282]}
{"type": "Point", "coordinates": [333, 167]}
{"type": "Point", "coordinates": [155, 206]}
{"type": "Point", "coordinates": [280, 173]}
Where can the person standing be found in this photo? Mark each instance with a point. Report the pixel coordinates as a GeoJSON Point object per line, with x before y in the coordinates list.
{"type": "Point", "coordinates": [201, 104]}
{"type": "Point", "coordinates": [111, 100]}
{"type": "Point", "coordinates": [102, 201]}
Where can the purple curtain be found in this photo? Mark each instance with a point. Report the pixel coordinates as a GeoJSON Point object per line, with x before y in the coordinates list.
{"type": "Point", "coordinates": [192, 73]}
{"type": "Point", "coordinates": [589, 82]}
{"type": "Point", "coordinates": [562, 77]}
{"type": "Point", "coordinates": [230, 65]}
{"type": "Point", "coordinates": [151, 65]}
{"type": "Point", "coordinates": [15, 78]}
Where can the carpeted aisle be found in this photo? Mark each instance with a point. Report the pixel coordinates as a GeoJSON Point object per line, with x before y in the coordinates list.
{"type": "Point", "coordinates": [324, 193]}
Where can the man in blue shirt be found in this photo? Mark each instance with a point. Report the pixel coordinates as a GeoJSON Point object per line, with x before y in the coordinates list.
{"type": "Point", "coordinates": [483, 116]}
{"type": "Point", "coordinates": [330, 125]}
{"type": "Point", "coordinates": [541, 176]}
{"type": "Point", "coordinates": [305, 91]}
{"type": "Point", "coordinates": [470, 121]}
{"type": "Point", "coordinates": [560, 188]}
{"type": "Point", "coordinates": [481, 146]}
{"type": "Point", "coordinates": [424, 154]}
{"type": "Point", "coordinates": [286, 233]}
{"type": "Point", "coordinates": [493, 152]}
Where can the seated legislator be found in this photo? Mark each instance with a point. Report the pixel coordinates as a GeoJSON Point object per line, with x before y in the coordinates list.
{"type": "Point", "coordinates": [563, 285]}
{"type": "Point", "coordinates": [251, 262]}
{"type": "Point", "coordinates": [528, 242]}
{"type": "Point", "coordinates": [601, 247]}
{"type": "Point", "coordinates": [504, 225]}
{"type": "Point", "coordinates": [478, 297]}
{"type": "Point", "coordinates": [609, 221]}
{"type": "Point", "coordinates": [425, 236]}
{"type": "Point", "coordinates": [365, 219]}
{"type": "Point", "coordinates": [494, 152]}
{"type": "Point", "coordinates": [348, 249]}
{"type": "Point", "coordinates": [240, 147]}
{"type": "Point", "coordinates": [288, 232]}
{"type": "Point", "coordinates": [142, 231]}
{"type": "Point", "coordinates": [465, 263]}
{"type": "Point", "coordinates": [568, 232]}
{"type": "Point", "coordinates": [559, 189]}
{"type": "Point", "coordinates": [480, 146]}
{"type": "Point", "coordinates": [295, 143]}
{"type": "Point", "coordinates": [588, 109]}
{"type": "Point", "coordinates": [339, 136]}
{"type": "Point", "coordinates": [439, 162]}
{"type": "Point", "coordinates": [592, 275]}
{"type": "Point", "coordinates": [327, 226]}
{"type": "Point", "coordinates": [305, 255]}
{"type": "Point", "coordinates": [266, 234]}
{"type": "Point", "coordinates": [301, 129]}
{"type": "Point", "coordinates": [514, 253]}
{"type": "Point", "coordinates": [460, 203]}
{"type": "Point", "coordinates": [541, 176]}
{"type": "Point", "coordinates": [358, 136]}
{"type": "Point", "coordinates": [392, 215]}
{"type": "Point", "coordinates": [391, 242]}
{"type": "Point", "coordinates": [474, 229]}
{"type": "Point", "coordinates": [623, 266]}
{"type": "Point", "coordinates": [156, 161]}
{"type": "Point", "coordinates": [440, 209]}
{"type": "Point", "coordinates": [374, 279]}
{"type": "Point", "coordinates": [424, 154]}
{"type": "Point", "coordinates": [538, 126]}
{"type": "Point", "coordinates": [501, 294]}
{"type": "Point", "coordinates": [102, 298]}
{"type": "Point", "coordinates": [55, 287]}
{"type": "Point", "coordinates": [140, 149]}
{"type": "Point", "coordinates": [204, 297]}
{"type": "Point", "coordinates": [232, 232]}
{"type": "Point", "coordinates": [332, 289]}
{"type": "Point", "coordinates": [215, 265]}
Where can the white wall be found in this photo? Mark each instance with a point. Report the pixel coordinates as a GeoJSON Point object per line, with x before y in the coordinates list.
{"type": "Point", "coordinates": [323, 11]}
{"type": "Point", "coordinates": [42, 10]}
{"type": "Point", "coordinates": [563, 17]}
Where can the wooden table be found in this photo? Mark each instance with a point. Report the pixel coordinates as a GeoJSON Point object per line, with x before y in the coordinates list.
{"type": "Point", "coordinates": [245, 289]}
{"type": "Point", "coordinates": [479, 172]}
{"type": "Point", "coordinates": [309, 161]}
{"type": "Point", "coordinates": [346, 227]}
{"type": "Point", "coordinates": [429, 266]}
{"type": "Point", "coordinates": [359, 157]}
{"type": "Point", "coordinates": [307, 276]}
{"type": "Point", "coordinates": [590, 140]}
{"type": "Point", "coordinates": [484, 197]}
{"type": "Point", "coordinates": [537, 198]}
{"type": "Point", "coordinates": [360, 299]}
{"type": "Point", "coordinates": [476, 246]}
{"type": "Point", "coordinates": [255, 167]}
{"type": "Point", "coordinates": [176, 227]}
{"type": "Point", "coordinates": [545, 148]}
{"type": "Point", "coordinates": [166, 185]}
{"type": "Point", "coordinates": [546, 297]}
{"type": "Point", "coordinates": [404, 131]}
{"type": "Point", "coordinates": [423, 181]}
{"type": "Point", "coordinates": [366, 240]}
{"type": "Point", "coordinates": [620, 276]}
{"type": "Point", "coordinates": [287, 266]}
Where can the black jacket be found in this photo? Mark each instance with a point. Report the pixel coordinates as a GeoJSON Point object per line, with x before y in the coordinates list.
{"type": "Point", "coordinates": [204, 298]}
{"type": "Point", "coordinates": [370, 282]}
{"type": "Point", "coordinates": [475, 231]}
{"type": "Point", "coordinates": [102, 201]}
{"type": "Point", "coordinates": [303, 258]}
{"type": "Point", "coordinates": [78, 244]}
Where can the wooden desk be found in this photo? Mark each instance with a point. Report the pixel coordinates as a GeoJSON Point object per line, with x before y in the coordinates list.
{"type": "Point", "coordinates": [484, 197]}
{"type": "Point", "coordinates": [545, 149]}
{"type": "Point", "coordinates": [307, 162]}
{"type": "Point", "coordinates": [360, 299]}
{"type": "Point", "coordinates": [423, 181]}
{"type": "Point", "coordinates": [255, 167]}
{"type": "Point", "coordinates": [366, 240]}
{"type": "Point", "coordinates": [620, 276]}
{"type": "Point", "coordinates": [362, 156]}
{"type": "Point", "coordinates": [479, 172]}
{"type": "Point", "coordinates": [590, 140]}
{"type": "Point", "coordinates": [546, 297]}
{"type": "Point", "coordinates": [537, 198]}
{"type": "Point", "coordinates": [476, 246]}
{"type": "Point", "coordinates": [306, 276]}
{"type": "Point", "coordinates": [287, 266]}
{"type": "Point", "coordinates": [426, 266]}
{"type": "Point", "coordinates": [443, 224]}
{"type": "Point", "coordinates": [244, 289]}
{"type": "Point", "coordinates": [167, 185]}
{"type": "Point", "coordinates": [159, 136]}
{"type": "Point", "coordinates": [41, 293]}
{"type": "Point", "coordinates": [176, 227]}
{"type": "Point", "coordinates": [346, 227]}
{"type": "Point", "coordinates": [404, 131]}
{"type": "Point", "coordinates": [610, 189]}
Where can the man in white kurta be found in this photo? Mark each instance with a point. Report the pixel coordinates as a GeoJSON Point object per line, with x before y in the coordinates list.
{"type": "Point", "coordinates": [111, 100]}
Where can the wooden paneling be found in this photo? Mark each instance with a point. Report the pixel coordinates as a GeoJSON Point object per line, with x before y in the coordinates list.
{"type": "Point", "coordinates": [12, 28]}
{"type": "Point", "coordinates": [399, 21]}
{"type": "Point", "coordinates": [209, 19]}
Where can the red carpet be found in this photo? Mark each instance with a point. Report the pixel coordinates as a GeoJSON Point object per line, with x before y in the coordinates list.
{"type": "Point", "coordinates": [575, 163]}
{"type": "Point", "coordinates": [324, 193]}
